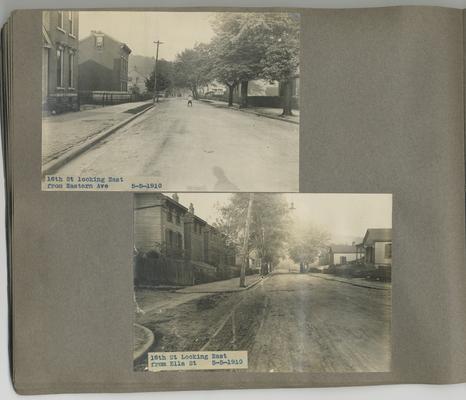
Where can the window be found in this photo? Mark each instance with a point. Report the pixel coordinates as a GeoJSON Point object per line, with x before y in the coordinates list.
{"type": "Point", "coordinates": [60, 61]}
{"type": "Point", "coordinates": [124, 67]}
{"type": "Point", "coordinates": [99, 42]}
{"type": "Point", "coordinates": [178, 219]}
{"type": "Point", "coordinates": [123, 74]}
{"type": "Point", "coordinates": [170, 239]}
{"type": "Point", "coordinates": [388, 250]}
{"type": "Point", "coordinates": [169, 215]}
{"type": "Point", "coordinates": [70, 20]}
{"type": "Point", "coordinates": [71, 70]}
{"type": "Point", "coordinates": [180, 241]}
{"type": "Point", "coordinates": [60, 20]}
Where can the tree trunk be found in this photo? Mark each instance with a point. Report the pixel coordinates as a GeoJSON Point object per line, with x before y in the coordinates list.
{"type": "Point", "coordinates": [242, 277]}
{"type": "Point", "coordinates": [230, 95]}
{"type": "Point", "coordinates": [287, 97]}
{"type": "Point", "coordinates": [195, 93]}
{"type": "Point", "coordinates": [244, 94]}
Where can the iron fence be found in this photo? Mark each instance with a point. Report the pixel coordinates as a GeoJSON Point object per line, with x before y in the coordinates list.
{"type": "Point", "coordinates": [104, 98]}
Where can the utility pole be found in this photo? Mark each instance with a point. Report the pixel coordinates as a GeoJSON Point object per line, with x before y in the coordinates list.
{"type": "Point", "coordinates": [155, 97]}
{"type": "Point", "coordinates": [242, 277]}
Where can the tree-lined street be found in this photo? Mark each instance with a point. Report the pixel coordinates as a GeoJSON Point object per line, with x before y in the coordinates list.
{"type": "Point", "coordinates": [200, 148]}
{"type": "Point", "coordinates": [233, 61]}
{"type": "Point", "coordinates": [299, 315]}
{"type": "Point", "coordinates": [289, 322]}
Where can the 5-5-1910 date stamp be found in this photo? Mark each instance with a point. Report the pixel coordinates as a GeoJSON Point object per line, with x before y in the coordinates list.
{"type": "Point", "coordinates": [197, 360]}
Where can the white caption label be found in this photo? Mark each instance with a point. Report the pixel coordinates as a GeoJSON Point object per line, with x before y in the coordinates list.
{"type": "Point", "coordinates": [191, 360]}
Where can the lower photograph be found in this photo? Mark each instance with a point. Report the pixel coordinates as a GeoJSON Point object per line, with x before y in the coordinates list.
{"type": "Point", "coordinates": [262, 282]}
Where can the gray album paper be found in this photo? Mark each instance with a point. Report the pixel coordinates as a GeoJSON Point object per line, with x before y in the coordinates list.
{"type": "Point", "coordinates": [206, 198]}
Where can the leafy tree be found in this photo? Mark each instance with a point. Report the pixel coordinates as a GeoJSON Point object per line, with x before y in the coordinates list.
{"type": "Point", "coordinates": [304, 248]}
{"type": "Point", "coordinates": [164, 77]}
{"type": "Point", "coordinates": [281, 60]}
{"type": "Point", "coordinates": [241, 48]}
{"type": "Point", "coordinates": [222, 69]}
{"type": "Point", "coordinates": [268, 230]}
{"type": "Point", "coordinates": [191, 68]}
{"type": "Point", "coordinates": [249, 46]}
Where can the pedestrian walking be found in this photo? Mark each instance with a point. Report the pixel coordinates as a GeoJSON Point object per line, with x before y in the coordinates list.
{"type": "Point", "coordinates": [190, 101]}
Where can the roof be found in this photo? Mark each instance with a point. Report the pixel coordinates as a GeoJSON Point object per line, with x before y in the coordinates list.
{"type": "Point", "coordinates": [172, 202]}
{"type": "Point", "coordinates": [178, 204]}
{"type": "Point", "coordinates": [377, 235]}
{"type": "Point", "coordinates": [343, 248]}
{"type": "Point", "coordinates": [100, 33]}
{"type": "Point", "coordinates": [153, 201]}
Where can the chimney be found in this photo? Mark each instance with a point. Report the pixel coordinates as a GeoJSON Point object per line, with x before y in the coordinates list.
{"type": "Point", "coordinates": [175, 197]}
{"type": "Point", "coordinates": [191, 208]}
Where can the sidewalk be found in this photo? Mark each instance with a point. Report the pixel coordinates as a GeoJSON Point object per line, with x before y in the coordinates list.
{"type": "Point", "coordinates": [63, 132]}
{"type": "Point", "coordinates": [267, 112]}
{"type": "Point", "coordinates": [230, 285]}
{"type": "Point", "coordinates": [361, 282]}
{"type": "Point", "coordinates": [161, 299]}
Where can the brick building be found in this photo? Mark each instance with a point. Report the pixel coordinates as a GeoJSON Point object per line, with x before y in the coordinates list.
{"type": "Point", "coordinates": [60, 60]}
{"type": "Point", "coordinates": [103, 63]}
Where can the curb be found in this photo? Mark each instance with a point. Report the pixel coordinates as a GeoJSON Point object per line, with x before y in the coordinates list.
{"type": "Point", "coordinates": [52, 166]}
{"type": "Point", "coordinates": [141, 352]}
{"type": "Point", "coordinates": [254, 112]}
{"type": "Point", "coordinates": [350, 283]}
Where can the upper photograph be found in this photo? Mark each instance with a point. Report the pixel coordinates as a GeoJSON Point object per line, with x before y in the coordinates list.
{"type": "Point", "coordinates": [170, 101]}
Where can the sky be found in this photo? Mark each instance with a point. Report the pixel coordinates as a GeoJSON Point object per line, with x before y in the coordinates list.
{"type": "Point", "coordinates": [139, 29]}
{"type": "Point", "coordinates": [345, 216]}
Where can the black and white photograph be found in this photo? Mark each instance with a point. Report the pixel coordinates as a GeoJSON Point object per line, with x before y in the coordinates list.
{"type": "Point", "coordinates": [170, 101]}
{"type": "Point", "coordinates": [299, 282]}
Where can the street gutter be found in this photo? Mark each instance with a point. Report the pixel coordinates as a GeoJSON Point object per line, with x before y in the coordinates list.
{"type": "Point", "coordinates": [55, 164]}
{"type": "Point", "coordinates": [245, 110]}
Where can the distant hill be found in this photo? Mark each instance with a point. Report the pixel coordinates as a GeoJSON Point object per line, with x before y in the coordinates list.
{"type": "Point", "coordinates": [142, 64]}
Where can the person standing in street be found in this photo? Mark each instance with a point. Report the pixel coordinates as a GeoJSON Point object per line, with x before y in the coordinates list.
{"type": "Point", "coordinates": [190, 101]}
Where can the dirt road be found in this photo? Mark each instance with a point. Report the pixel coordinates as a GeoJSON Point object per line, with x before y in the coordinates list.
{"type": "Point", "coordinates": [289, 322]}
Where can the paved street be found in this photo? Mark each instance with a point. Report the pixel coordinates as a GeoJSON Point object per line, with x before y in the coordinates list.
{"type": "Point", "coordinates": [288, 322]}
{"type": "Point", "coordinates": [201, 148]}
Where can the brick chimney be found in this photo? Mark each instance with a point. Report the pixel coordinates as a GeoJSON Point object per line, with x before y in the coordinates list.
{"type": "Point", "coordinates": [191, 208]}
